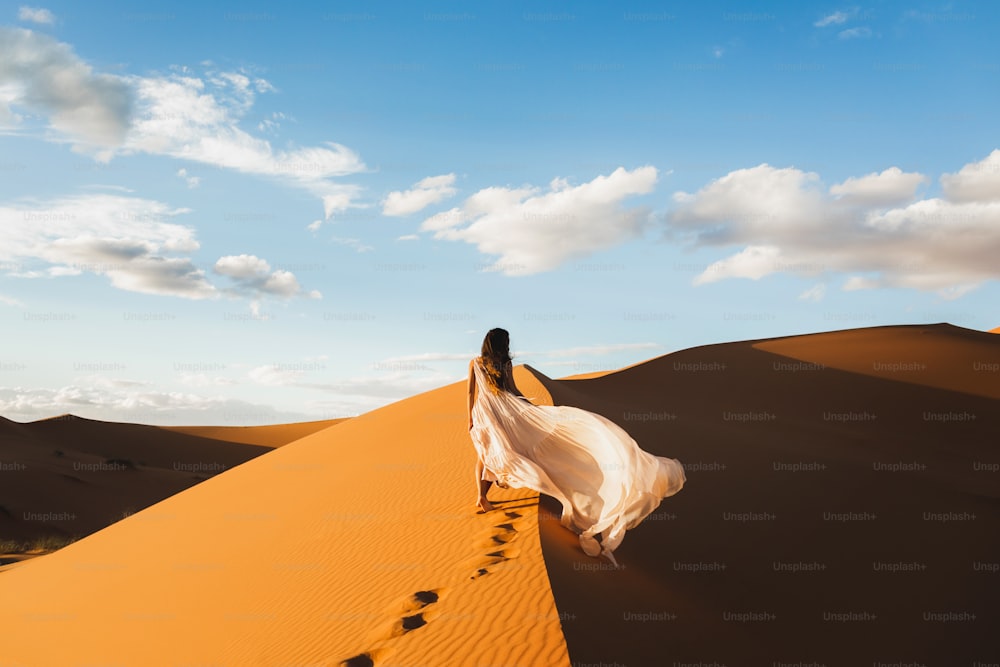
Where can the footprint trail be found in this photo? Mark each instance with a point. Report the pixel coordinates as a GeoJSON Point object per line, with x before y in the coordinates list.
{"type": "Point", "coordinates": [412, 613]}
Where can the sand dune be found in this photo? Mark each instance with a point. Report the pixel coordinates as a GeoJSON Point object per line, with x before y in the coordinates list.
{"type": "Point", "coordinates": [827, 518]}
{"type": "Point", "coordinates": [274, 435]}
{"type": "Point", "coordinates": [356, 540]}
{"type": "Point", "coordinates": [67, 477]}
{"type": "Point", "coordinates": [804, 485]}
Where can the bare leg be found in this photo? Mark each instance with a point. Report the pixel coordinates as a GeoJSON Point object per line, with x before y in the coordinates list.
{"type": "Point", "coordinates": [482, 487]}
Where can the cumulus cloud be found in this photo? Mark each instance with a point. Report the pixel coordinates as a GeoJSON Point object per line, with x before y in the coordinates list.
{"type": "Point", "coordinates": [35, 15]}
{"type": "Point", "coordinates": [428, 191]}
{"type": "Point", "coordinates": [975, 182]}
{"type": "Point", "coordinates": [131, 241]}
{"type": "Point", "coordinates": [180, 115]}
{"type": "Point", "coordinates": [252, 276]}
{"type": "Point", "coordinates": [892, 186]}
{"type": "Point", "coordinates": [44, 76]}
{"type": "Point", "coordinates": [534, 230]}
{"type": "Point", "coordinates": [867, 227]}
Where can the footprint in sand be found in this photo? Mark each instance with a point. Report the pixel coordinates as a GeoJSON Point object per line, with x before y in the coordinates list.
{"type": "Point", "coordinates": [411, 611]}
{"type": "Point", "coordinates": [497, 542]}
{"type": "Point", "coordinates": [412, 617]}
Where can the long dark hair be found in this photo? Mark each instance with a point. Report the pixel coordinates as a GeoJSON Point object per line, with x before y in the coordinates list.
{"type": "Point", "coordinates": [496, 356]}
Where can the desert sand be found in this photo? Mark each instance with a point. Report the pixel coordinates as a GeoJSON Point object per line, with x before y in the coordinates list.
{"type": "Point", "coordinates": [828, 505]}
{"type": "Point", "coordinates": [74, 476]}
{"type": "Point", "coordinates": [842, 507]}
{"type": "Point", "coordinates": [357, 543]}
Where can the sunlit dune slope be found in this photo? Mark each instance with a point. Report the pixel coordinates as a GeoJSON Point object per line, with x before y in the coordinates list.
{"type": "Point", "coordinates": [358, 540]}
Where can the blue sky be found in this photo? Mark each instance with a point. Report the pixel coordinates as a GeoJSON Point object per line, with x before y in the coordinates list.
{"type": "Point", "coordinates": [246, 213]}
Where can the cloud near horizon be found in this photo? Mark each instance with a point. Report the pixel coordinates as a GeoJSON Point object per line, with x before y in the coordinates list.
{"type": "Point", "coordinates": [534, 230]}
{"type": "Point", "coordinates": [137, 402]}
{"type": "Point", "coordinates": [872, 228]}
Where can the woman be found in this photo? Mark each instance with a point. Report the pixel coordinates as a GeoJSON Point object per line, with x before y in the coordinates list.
{"type": "Point", "coordinates": [606, 484]}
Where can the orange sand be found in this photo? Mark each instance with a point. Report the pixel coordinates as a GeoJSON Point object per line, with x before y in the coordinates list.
{"type": "Point", "coordinates": [310, 554]}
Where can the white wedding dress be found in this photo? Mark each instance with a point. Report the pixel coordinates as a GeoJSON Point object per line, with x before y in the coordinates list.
{"type": "Point", "coordinates": [605, 482]}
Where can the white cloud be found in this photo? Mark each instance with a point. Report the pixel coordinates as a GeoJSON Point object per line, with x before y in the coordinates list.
{"type": "Point", "coordinates": [744, 204]}
{"type": "Point", "coordinates": [127, 239]}
{"type": "Point", "coordinates": [753, 262]}
{"type": "Point", "coordinates": [191, 118]}
{"type": "Point", "coordinates": [242, 267]}
{"type": "Point", "coordinates": [252, 276]}
{"type": "Point", "coordinates": [35, 15]}
{"type": "Point", "coordinates": [272, 124]}
{"type": "Point", "coordinates": [975, 182]}
{"type": "Point", "coordinates": [428, 191]}
{"type": "Point", "coordinates": [395, 381]}
{"type": "Point", "coordinates": [275, 376]}
{"type": "Point", "coordinates": [836, 18]}
{"type": "Point", "coordinates": [408, 237]}
{"type": "Point", "coordinates": [44, 76]}
{"type": "Point", "coordinates": [192, 181]}
{"type": "Point", "coordinates": [205, 380]}
{"type": "Point", "coordinates": [356, 244]}
{"type": "Point", "coordinates": [814, 293]}
{"type": "Point", "coordinates": [892, 186]}
{"type": "Point", "coordinates": [197, 119]}
{"type": "Point", "coordinates": [788, 224]}
{"type": "Point", "coordinates": [9, 301]}
{"type": "Point", "coordinates": [532, 230]}
{"type": "Point", "coordinates": [137, 403]}
{"type": "Point", "coordinates": [862, 32]}
{"type": "Point", "coordinates": [131, 241]}
{"type": "Point", "coordinates": [429, 356]}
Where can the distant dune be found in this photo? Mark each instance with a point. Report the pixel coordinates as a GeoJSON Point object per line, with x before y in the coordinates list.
{"type": "Point", "coordinates": [67, 477]}
{"type": "Point", "coordinates": [274, 435]}
{"type": "Point", "coordinates": [842, 507]}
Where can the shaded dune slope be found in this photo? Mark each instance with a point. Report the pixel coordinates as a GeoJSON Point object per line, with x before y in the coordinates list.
{"type": "Point", "coordinates": [67, 476]}
{"type": "Point", "coordinates": [804, 482]}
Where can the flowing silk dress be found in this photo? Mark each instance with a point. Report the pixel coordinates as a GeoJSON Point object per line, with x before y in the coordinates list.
{"type": "Point", "coordinates": [604, 481]}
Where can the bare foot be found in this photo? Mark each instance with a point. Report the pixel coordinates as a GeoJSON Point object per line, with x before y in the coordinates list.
{"type": "Point", "coordinates": [484, 505]}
